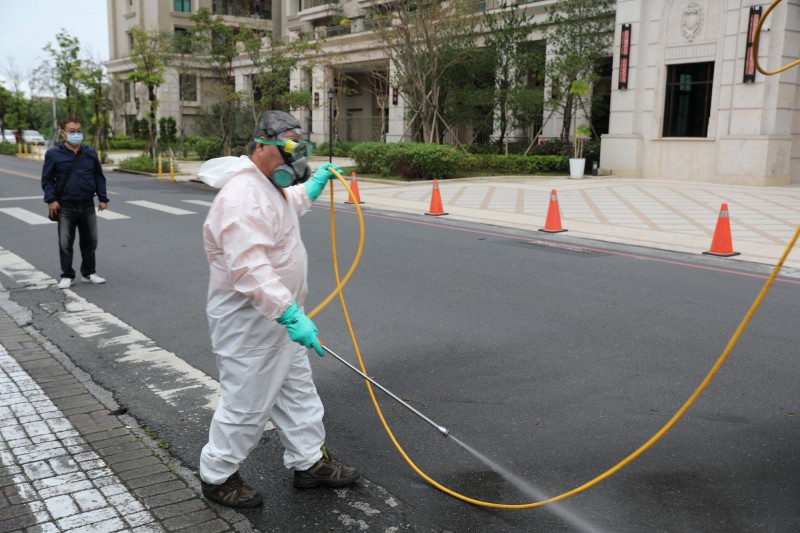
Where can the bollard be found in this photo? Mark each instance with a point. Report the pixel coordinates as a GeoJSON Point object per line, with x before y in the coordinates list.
{"type": "Point", "coordinates": [159, 168]}
{"type": "Point", "coordinates": [19, 150]}
{"type": "Point", "coordinates": [171, 170]}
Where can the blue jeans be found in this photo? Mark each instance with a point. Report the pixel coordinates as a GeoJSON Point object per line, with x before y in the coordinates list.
{"type": "Point", "coordinates": [80, 215]}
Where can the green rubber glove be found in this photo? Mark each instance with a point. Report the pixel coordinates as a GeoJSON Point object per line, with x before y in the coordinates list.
{"type": "Point", "coordinates": [321, 176]}
{"type": "Point", "coordinates": [300, 328]}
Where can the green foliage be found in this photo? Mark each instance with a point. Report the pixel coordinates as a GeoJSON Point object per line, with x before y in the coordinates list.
{"type": "Point", "coordinates": [516, 164]}
{"type": "Point", "coordinates": [143, 163]}
{"type": "Point", "coordinates": [411, 161]}
{"type": "Point", "coordinates": [8, 148]}
{"type": "Point", "coordinates": [340, 149]}
{"type": "Point", "coordinates": [167, 133]}
{"type": "Point", "coordinates": [205, 147]}
{"type": "Point", "coordinates": [123, 142]}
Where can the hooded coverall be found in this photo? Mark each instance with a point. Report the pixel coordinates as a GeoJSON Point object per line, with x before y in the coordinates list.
{"type": "Point", "coordinates": [258, 267]}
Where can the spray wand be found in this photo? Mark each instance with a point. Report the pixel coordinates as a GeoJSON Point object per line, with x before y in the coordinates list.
{"type": "Point", "coordinates": [443, 430]}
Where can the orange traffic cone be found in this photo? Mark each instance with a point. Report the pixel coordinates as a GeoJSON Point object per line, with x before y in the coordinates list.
{"type": "Point", "coordinates": [722, 244]}
{"type": "Point", "coordinates": [436, 208]}
{"type": "Point", "coordinates": [354, 197]}
{"type": "Point", "coordinates": [553, 222]}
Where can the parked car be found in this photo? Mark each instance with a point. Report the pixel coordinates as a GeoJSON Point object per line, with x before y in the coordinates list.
{"type": "Point", "coordinates": [32, 137]}
{"type": "Point", "coordinates": [9, 137]}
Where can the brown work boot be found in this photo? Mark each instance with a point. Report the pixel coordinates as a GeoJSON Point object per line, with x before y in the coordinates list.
{"type": "Point", "coordinates": [234, 492]}
{"type": "Point", "coordinates": [327, 471]}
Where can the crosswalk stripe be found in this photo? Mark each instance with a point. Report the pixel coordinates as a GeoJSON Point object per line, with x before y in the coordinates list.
{"type": "Point", "coordinates": [111, 215]}
{"type": "Point", "coordinates": [26, 216]}
{"type": "Point", "coordinates": [198, 202]}
{"type": "Point", "coordinates": [161, 207]}
{"type": "Point", "coordinates": [21, 198]}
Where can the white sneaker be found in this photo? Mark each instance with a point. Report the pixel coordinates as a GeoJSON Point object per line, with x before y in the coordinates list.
{"type": "Point", "coordinates": [65, 283]}
{"type": "Point", "coordinates": [93, 278]}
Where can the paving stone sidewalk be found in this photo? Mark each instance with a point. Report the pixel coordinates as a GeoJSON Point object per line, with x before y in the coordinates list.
{"type": "Point", "coordinates": [68, 463]}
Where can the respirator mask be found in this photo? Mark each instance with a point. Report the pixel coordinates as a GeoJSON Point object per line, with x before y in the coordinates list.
{"type": "Point", "coordinates": [295, 153]}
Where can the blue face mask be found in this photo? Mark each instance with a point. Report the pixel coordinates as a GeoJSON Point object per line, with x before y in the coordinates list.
{"type": "Point", "coordinates": [75, 139]}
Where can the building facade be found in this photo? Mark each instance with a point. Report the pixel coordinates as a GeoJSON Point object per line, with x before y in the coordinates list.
{"type": "Point", "coordinates": [685, 102]}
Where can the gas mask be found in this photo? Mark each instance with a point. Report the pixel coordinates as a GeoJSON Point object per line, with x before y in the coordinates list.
{"type": "Point", "coordinates": [295, 153]}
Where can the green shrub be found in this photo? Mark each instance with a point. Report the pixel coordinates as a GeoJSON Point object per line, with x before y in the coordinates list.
{"type": "Point", "coordinates": [340, 149]}
{"type": "Point", "coordinates": [123, 142]}
{"type": "Point", "coordinates": [411, 161]}
{"type": "Point", "coordinates": [206, 147]}
{"type": "Point", "coordinates": [143, 163]}
{"type": "Point", "coordinates": [8, 148]}
{"type": "Point", "coordinates": [516, 164]}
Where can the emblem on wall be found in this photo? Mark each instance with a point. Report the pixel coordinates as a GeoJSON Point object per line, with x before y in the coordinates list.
{"type": "Point", "coordinates": [691, 21]}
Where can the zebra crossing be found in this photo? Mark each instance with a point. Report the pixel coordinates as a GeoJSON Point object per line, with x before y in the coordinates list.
{"type": "Point", "coordinates": [38, 217]}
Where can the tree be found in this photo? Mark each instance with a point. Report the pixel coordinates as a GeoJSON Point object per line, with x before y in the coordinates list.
{"type": "Point", "coordinates": [93, 76]}
{"type": "Point", "coordinates": [424, 39]}
{"type": "Point", "coordinates": [150, 56]}
{"type": "Point", "coordinates": [516, 64]}
{"type": "Point", "coordinates": [67, 66]}
{"type": "Point", "coordinates": [271, 88]}
{"type": "Point", "coordinates": [580, 34]}
{"type": "Point", "coordinates": [218, 42]}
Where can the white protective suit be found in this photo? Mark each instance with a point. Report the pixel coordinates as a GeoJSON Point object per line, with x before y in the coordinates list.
{"type": "Point", "coordinates": [258, 266]}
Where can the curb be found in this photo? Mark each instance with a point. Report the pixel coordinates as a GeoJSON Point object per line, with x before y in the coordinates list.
{"type": "Point", "coordinates": [156, 483]}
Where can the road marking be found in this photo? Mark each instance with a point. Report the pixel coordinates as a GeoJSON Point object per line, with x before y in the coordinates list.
{"type": "Point", "coordinates": [26, 216]}
{"type": "Point", "coordinates": [161, 207]}
{"type": "Point", "coordinates": [198, 202]}
{"type": "Point", "coordinates": [165, 374]}
{"type": "Point", "coordinates": [12, 199]}
{"type": "Point", "coordinates": [111, 215]}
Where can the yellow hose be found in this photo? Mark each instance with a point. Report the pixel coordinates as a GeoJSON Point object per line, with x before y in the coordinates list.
{"type": "Point", "coordinates": [608, 473]}
{"type": "Point", "coordinates": [755, 44]}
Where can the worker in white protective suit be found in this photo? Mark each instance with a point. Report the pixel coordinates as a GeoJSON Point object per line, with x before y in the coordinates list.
{"type": "Point", "coordinates": [259, 332]}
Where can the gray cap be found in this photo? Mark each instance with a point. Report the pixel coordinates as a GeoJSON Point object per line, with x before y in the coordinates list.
{"type": "Point", "coordinates": [273, 123]}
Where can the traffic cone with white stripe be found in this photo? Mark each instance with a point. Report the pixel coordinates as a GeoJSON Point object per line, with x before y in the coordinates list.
{"type": "Point", "coordinates": [436, 208]}
{"type": "Point", "coordinates": [354, 197]}
{"type": "Point", "coordinates": [552, 223]}
{"type": "Point", "coordinates": [721, 244]}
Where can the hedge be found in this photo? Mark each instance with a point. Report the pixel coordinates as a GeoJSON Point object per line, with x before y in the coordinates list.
{"type": "Point", "coordinates": [410, 161]}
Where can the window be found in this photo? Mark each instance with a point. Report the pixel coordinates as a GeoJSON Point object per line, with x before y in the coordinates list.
{"type": "Point", "coordinates": [127, 91]}
{"type": "Point", "coordinates": [182, 6]}
{"type": "Point", "coordinates": [182, 41]}
{"type": "Point", "coordinates": [688, 103]}
{"type": "Point", "coordinates": [131, 41]}
{"type": "Point", "coordinates": [188, 87]}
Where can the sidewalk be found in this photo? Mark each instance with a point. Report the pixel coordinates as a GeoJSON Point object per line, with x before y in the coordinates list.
{"type": "Point", "coordinates": [71, 463]}
{"type": "Point", "coordinates": [662, 214]}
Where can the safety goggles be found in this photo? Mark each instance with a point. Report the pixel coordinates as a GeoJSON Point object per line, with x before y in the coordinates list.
{"type": "Point", "coordinates": [294, 148]}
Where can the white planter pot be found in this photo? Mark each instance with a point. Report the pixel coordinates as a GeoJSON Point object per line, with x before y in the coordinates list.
{"type": "Point", "coordinates": [576, 168]}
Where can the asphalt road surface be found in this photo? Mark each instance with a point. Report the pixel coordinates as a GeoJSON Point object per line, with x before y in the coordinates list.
{"type": "Point", "coordinates": [551, 357]}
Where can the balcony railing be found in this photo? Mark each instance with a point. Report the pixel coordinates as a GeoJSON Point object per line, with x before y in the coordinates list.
{"type": "Point", "coordinates": [310, 4]}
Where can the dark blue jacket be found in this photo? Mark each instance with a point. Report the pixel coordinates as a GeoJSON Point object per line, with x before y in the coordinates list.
{"type": "Point", "coordinates": [87, 178]}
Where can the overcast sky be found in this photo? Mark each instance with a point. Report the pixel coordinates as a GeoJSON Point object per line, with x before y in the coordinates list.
{"type": "Point", "coordinates": [27, 27]}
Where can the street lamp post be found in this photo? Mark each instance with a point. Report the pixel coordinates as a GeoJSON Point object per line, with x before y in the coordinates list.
{"type": "Point", "coordinates": [330, 125]}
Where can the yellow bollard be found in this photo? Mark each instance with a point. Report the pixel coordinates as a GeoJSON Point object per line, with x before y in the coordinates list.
{"type": "Point", "coordinates": [171, 170]}
{"type": "Point", "coordinates": [40, 153]}
{"type": "Point", "coordinates": [159, 167]}
{"type": "Point", "coordinates": [30, 151]}
{"type": "Point", "coordinates": [19, 150]}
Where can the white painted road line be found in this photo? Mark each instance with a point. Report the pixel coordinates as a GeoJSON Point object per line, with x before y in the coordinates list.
{"type": "Point", "coordinates": [198, 202]}
{"type": "Point", "coordinates": [161, 207]}
{"type": "Point", "coordinates": [111, 215]}
{"type": "Point", "coordinates": [168, 376]}
{"type": "Point", "coordinates": [14, 199]}
{"type": "Point", "coordinates": [26, 216]}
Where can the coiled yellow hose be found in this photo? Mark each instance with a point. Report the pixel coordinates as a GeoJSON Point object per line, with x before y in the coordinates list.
{"type": "Point", "coordinates": [755, 44]}
{"type": "Point", "coordinates": [608, 473]}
